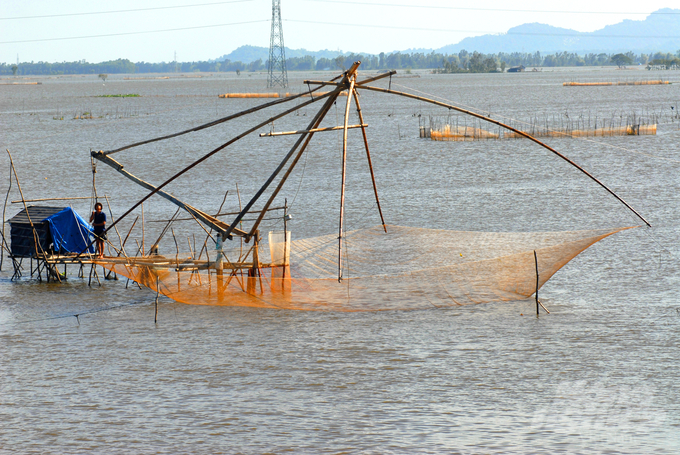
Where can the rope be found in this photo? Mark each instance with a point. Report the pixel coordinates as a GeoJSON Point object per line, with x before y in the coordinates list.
{"type": "Point", "coordinates": [75, 315]}
{"type": "Point", "coordinates": [304, 167]}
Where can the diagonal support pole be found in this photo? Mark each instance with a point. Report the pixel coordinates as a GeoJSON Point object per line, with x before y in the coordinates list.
{"type": "Point", "coordinates": [368, 155]}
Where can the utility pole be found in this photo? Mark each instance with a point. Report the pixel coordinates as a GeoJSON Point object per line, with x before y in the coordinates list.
{"type": "Point", "coordinates": [277, 54]}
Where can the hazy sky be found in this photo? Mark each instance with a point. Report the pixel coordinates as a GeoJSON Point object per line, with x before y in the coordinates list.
{"type": "Point", "coordinates": [152, 31]}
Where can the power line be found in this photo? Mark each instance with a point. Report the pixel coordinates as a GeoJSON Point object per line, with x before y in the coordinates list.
{"type": "Point", "coordinates": [132, 33]}
{"type": "Point", "coordinates": [428, 29]}
{"type": "Point", "coordinates": [486, 9]}
{"type": "Point", "coordinates": [119, 11]}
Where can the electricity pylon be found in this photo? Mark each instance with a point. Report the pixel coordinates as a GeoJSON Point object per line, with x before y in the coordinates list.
{"type": "Point", "coordinates": [277, 53]}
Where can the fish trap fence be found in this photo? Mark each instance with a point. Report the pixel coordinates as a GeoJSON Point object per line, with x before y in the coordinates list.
{"type": "Point", "coordinates": [612, 83]}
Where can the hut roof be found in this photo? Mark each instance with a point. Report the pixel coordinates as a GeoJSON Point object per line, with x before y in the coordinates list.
{"type": "Point", "coordinates": [37, 214]}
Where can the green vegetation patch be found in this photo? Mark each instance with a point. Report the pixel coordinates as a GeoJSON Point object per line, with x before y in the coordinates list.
{"type": "Point", "coordinates": [126, 95]}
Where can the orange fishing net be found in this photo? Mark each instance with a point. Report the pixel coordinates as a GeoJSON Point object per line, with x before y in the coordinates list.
{"type": "Point", "coordinates": [405, 268]}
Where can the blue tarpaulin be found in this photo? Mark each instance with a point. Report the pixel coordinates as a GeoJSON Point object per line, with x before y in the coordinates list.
{"type": "Point", "coordinates": [70, 232]}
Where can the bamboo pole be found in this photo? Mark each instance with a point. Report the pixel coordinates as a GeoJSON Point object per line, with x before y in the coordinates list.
{"type": "Point", "coordinates": [164, 231]}
{"type": "Point", "coordinates": [4, 208]}
{"type": "Point", "coordinates": [158, 291]}
{"type": "Point", "coordinates": [94, 180]}
{"type": "Point", "coordinates": [344, 176]}
{"type": "Point", "coordinates": [205, 242]}
{"type": "Point", "coordinates": [204, 217]}
{"type": "Point", "coordinates": [176, 246]}
{"type": "Point", "coordinates": [474, 114]}
{"type": "Point", "coordinates": [128, 235]}
{"type": "Point", "coordinates": [54, 199]}
{"type": "Point", "coordinates": [285, 237]}
{"type": "Point", "coordinates": [211, 237]}
{"type": "Point", "coordinates": [240, 207]}
{"type": "Point", "coordinates": [217, 214]}
{"type": "Point", "coordinates": [368, 156]}
{"type": "Point", "coordinates": [315, 130]}
{"type": "Point", "coordinates": [108, 204]}
{"type": "Point", "coordinates": [537, 280]}
{"type": "Point", "coordinates": [143, 230]}
{"type": "Point", "coordinates": [339, 84]}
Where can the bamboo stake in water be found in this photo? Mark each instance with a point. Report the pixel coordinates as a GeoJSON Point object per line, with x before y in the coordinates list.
{"type": "Point", "coordinates": [537, 279]}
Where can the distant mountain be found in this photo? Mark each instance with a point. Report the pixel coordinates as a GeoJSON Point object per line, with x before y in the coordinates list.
{"type": "Point", "coordinates": [660, 31]}
{"type": "Point", "coordinates": [247, 54]}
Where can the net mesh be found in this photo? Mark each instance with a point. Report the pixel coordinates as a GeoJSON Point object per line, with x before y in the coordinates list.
{"type": "Point", "coordinates": [405, 268]}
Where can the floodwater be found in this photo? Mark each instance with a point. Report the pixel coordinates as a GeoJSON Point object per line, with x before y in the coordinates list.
{"type": "Point", "coordinates": [596, 375]}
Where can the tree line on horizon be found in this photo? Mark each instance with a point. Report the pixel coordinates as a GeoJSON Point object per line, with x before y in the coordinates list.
{"type": "Point", "coordinates": [462, 62]}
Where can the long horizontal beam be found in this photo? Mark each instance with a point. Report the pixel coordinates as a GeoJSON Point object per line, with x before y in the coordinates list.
{"type": "Point", "coordinates": [216, 215]}
{"type": "Point", "coordinates": [315, 130]}
{"type": "Point", "coordinates": [521, 133]}
{"type": "Point", "coordinates": [211, 221]}
{"type": "Point", "coordinates": [337, 84]}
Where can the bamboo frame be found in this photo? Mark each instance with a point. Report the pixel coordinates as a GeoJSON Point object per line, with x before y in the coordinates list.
{"type": "Point", "coordinates": [348, 84]}
{"type": "Point", "coordinates": [213, 222]}
{"type": "Point", "coordinates": [213, 123]}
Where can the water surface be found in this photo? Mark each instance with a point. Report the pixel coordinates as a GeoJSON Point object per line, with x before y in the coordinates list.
{"type": "Point", "coordinates": [597, 375]}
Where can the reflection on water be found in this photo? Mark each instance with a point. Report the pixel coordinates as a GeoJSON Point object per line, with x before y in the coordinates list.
{"type": "Point", "coordinates": [595, 375]}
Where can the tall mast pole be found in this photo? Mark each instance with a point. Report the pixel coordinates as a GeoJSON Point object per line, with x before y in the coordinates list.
{"type": "Point", "coordinates": [350, 91]}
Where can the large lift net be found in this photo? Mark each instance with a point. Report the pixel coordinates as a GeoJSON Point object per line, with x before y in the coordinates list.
{"type": "Point", "coordinates": [386, 267]}
{"type": "Point", "coordinates": [403, 269]}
